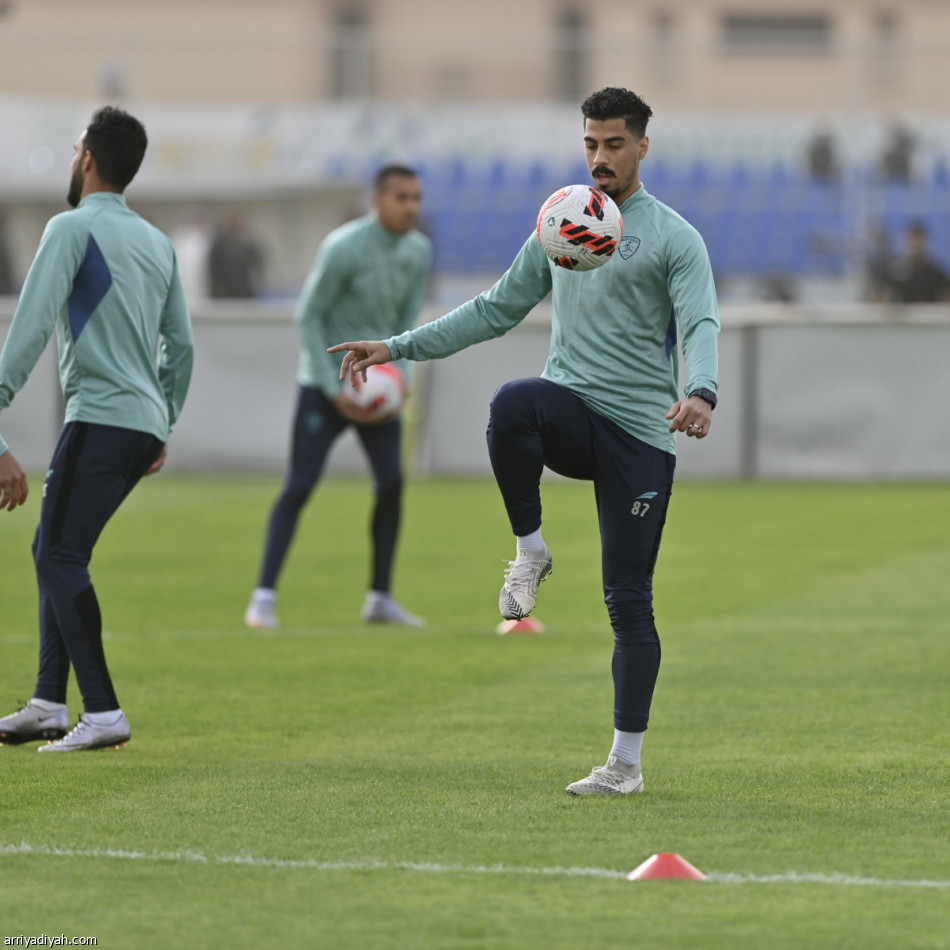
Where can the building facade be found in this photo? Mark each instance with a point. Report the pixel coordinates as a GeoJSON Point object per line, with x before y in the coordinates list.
{"type": "Point", "coordinates": [793, 55]}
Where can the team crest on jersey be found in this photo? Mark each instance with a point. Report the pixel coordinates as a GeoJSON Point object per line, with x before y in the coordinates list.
{"type": "Point", "coordinates": [628, 247]}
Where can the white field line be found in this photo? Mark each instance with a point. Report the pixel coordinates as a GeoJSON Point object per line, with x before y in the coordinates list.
{"type": "Point", "coordinates": [794, 877]}
{"type": "Point", "coordinates": [309, 864]}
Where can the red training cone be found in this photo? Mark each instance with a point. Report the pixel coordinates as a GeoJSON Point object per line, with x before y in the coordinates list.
{"type": "Point", "coordinates": [665, 867]}
{"type": "Point", "coordinates": [527, 625]}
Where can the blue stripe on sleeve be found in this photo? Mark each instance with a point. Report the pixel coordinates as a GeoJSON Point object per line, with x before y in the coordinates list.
{"type": "Point", "coordinates": [91, 284]}
{"type": "Point", "coordinates": [671, 335]}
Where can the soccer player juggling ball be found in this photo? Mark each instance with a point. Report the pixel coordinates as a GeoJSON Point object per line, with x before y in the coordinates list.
{"type": "Point", "coordinates": [107, 282]}
{"type": "Point", "coordinates": [606, 407]}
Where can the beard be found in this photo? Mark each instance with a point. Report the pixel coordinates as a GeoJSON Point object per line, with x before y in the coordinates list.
{"type": "Point", "coordinates": [611, 189]}
{"type": "Point", "coordinates": [75, 189]}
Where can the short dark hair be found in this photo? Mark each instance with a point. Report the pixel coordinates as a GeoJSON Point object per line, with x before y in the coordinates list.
{"type": "Point", "coordinates": [117, 141]}
{"type": "Point", "coordinates": [381, 178]}
{"type": "Point", "coordinates": [613, 102]}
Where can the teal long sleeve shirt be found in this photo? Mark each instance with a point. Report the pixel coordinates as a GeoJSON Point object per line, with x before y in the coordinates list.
{"type": "Point", "coordinates": [106, 281]}
{"type": "Point", "coordinates": [366, 282]}
{"type": "Point", "coordinates": [614, 330]}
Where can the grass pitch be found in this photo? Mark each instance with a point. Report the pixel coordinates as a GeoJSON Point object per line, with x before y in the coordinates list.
{"type": "Point", "coordinates": [336, 785]}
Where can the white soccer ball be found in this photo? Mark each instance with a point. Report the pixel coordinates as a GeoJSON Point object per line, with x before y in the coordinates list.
{"type": "Point", "coordinates": [385, 389]}
{"type": "Point", "coordinates": [579, 227]}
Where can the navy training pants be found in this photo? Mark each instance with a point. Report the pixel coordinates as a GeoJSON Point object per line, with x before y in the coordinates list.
{"type": "Point", "coordinates": [534, 423]}
{"type": "Point", "coordinates": [317, 425]}
{"type": "Point", "coordinates": [94, 468]}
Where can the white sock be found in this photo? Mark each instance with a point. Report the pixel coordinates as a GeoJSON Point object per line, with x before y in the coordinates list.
{"type": "Point", "coordinates": [46, 705]}
{"type": "Point", "coordinates": [102, 718]}
{"type": "Point", "coordinates": [264, 595]}
{"type": "Point", "coordinates": [531, 542]}
{"type": "Point", "coordinates": [627, 746]}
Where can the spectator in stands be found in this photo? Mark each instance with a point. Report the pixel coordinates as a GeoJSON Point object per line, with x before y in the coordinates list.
{"type": "Point", "coordinates": [878, 264]}
{"type": "Point", "coordinates": [917, 276]}
{"type": "Point", "coordinates": [235, 262]}
{"type": "Point", "coordinates": [779, 288]}
{"type": "Point", "coordinates": [897, 159]}
{"type": "Point", "coordinates": [191, 239]}
{"type": "Point", "coordinates": [821, 158]}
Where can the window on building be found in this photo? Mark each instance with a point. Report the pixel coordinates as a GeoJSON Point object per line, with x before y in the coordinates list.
{"type": "Point", "coordinates": [665, 48]}
{"type": "Point", "coordinates": [767, 33]}
{"type": "Point", "coordinates": [351, 56]}
{"type": "Point", "coordinates": [571, 56]}
{"type": "Point", "coordinates": [885, 53]}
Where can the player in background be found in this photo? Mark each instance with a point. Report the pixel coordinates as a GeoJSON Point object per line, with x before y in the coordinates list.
{"type": "Point", "coordinates": [107, 282]}
{"type": "Point", "coordinates": [370, 277]}
{"type": "Point", "coordinates": [606, 406]}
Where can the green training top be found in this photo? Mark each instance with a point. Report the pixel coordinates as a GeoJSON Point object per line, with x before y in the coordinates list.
{"type": "Point", "coordinates": [107, 281]}
{"type": "Point", "coordinates": [613, 329]}
{"type": "Point", "coordinates": [366, 283]}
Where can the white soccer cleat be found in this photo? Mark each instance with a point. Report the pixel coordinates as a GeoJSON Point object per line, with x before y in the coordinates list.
{"type": "Point", "coordinates": [90, 735]}
{"type": "Point", "coordinates": [261, 611]}
{"type": "Point", "coordinates": [523, 576]}
{"type": "Point", "coordinates": [32, 724]}
{"type": "Point", "coordinates": [381, 608]}
{"type": "Point", "coordinates": [614, 778]}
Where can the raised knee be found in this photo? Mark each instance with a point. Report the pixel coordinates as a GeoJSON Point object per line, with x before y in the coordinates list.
{"type": "Point", "coordinates": [510, 400]}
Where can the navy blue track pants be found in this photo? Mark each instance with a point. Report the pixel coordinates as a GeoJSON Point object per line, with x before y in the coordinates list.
{"type": "Point", "coordinates": [94, 468]}
{"type": "Point", "coordinates": [536, 423]}
{"type": "Point", "coordinates": [317, 425]}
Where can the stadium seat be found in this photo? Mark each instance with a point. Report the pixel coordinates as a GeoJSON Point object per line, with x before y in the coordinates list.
{"type": "Point", "coordinates": [758, 218]}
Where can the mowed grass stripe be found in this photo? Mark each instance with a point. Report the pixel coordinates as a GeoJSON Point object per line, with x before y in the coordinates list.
{"type": "Point", "coordinates": [798, 746]}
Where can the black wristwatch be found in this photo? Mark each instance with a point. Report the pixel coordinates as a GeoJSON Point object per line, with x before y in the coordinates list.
{"type": "Point", "coordinates": [706, 394]}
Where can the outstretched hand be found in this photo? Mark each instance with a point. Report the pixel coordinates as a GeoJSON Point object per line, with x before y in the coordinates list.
{"type": "Point", "coordinates": [361, 356]}
{"type": "Point", "coordinates": [13, 484]}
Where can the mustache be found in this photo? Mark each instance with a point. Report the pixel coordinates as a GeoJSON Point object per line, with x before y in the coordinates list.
{"type": "Point", "coordinates": [602, 170]}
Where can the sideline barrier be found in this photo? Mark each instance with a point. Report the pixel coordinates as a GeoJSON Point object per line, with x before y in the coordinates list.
{"type": "Point", "coordinates": [847, 392]}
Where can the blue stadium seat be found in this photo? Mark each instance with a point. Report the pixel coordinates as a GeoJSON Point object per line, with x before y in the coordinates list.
{"type": "Point", "coordinates": [757, 218]}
